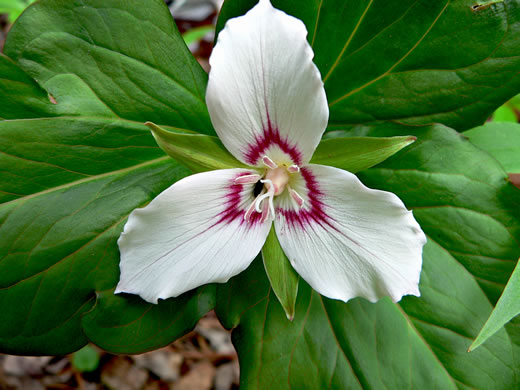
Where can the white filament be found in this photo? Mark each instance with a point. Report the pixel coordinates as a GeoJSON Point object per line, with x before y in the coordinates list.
{"type": "Point", "coordinates": [269, 194]}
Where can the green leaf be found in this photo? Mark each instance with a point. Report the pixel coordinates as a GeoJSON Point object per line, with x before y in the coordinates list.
{"type": "Point", "coordinates": [71, 172]}
{"type": "Point", "coordinates": [127, 324]}
{"type": "Point", "coordinates": [471, 215]}
{"type": "Point", "coordinates": [86, 359]}
{"type": "Point", "coordinates": [408, 61]}
{"type": "Point", "coordinates": [508, 306]}
{"type": "Point", "coordinates": [59, 247]}
{"type": "Point", "coordinates": [131, 57]}
{"type": "Point", "coordinates": [501, 140]}
{"type": "Point", "coordinates": [198, 152]}
{"type": "Point", "coordinates": [282, 276]}
{"type": "Point", "coordinates": [357, 153]}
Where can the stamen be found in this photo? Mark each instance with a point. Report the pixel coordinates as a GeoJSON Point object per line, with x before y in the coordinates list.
{"type": "Point", "coordinates": [296, 197]}
{"type": "Point", "coordinates": [247, 179]}
{"type": "Point", "coordinates": [269, 163]}
{"type": "Point", "coordinates": [293, 168]}
{"type": "Point", "coordinates": [265, 212]}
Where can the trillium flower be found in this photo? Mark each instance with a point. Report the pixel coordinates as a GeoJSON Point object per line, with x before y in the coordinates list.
{"type": "Point", "coordinates": [268, 105]}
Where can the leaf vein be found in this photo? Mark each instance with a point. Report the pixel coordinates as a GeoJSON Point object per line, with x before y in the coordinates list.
{"type": "Point", "coordinates": [394, 65]}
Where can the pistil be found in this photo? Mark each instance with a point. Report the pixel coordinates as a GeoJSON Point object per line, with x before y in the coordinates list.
{"type": "Point", "coordinates": [278, 179]}
{"type": "Point", "coordinates": [275, 180]}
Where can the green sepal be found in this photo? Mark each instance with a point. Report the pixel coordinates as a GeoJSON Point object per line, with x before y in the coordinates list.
{"type": "Point", "coordinates": [508, 306]}
{"type": "Point", "coordinates": [355, 154]}
{"type": "Point", "coordinates": [282, 276]}
{"type": "Point", "coordinates": [198, 152]}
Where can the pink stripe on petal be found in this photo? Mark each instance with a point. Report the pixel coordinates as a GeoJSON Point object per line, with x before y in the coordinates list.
{"type": "Point", "coordinates": [271, 136]}
{"type": "Point", "coordinates": [234, 203]}
{"type": "Point", "coordinates": [316, 208]}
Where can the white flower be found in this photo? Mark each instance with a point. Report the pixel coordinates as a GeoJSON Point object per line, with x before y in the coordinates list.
{"type": "Point", "coordinates": [268, 105]}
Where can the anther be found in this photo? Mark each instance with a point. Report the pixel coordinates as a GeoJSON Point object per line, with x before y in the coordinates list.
{"type": "Point", "coordinates": [269, 163]}
{"type": "Point", "coordinates": [297, 197]}
{"type": "Point", "coordinates": [247, 179]}
{"type": "Point", "coordinates": [293, 168]}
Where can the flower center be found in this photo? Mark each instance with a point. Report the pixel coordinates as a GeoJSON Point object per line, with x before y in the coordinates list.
{"type": "Point", "coordinates": [275, 180]}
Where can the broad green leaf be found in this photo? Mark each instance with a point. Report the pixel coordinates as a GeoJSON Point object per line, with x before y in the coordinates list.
{"type": "Point", "coordinates": [59, 246]}
{"type": "Point", "coordinates": [471, 215]}
{"type": "Point", "coordinates": [41, 155]}
{"type": "Point", "coordinates": [282, 276]}
{"type": "Point", "coordinates": [357, 153]}
{"type": "Point", "coordinates": [501, 140]}
{"type": "Point", "coordinates": [198, 152]}
{"type": "Point", "coordinates": [409, 61]}
{"type": "Point", "coordinates": [71, 172]}
{"type": "Point", "coordinates": [127, 324]}
{"type": "Point", "coordinates": [68, 185]}
{"type": "Point", "coordinates": [131, 56]}
{"type": "Point", "coordinates": [508, 306]}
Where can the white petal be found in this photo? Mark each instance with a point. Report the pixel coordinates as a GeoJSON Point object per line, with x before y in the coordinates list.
{"type": "Point", "coordinates": [348, 240]}
{"type": "Point", "coordinates": [193, 233]}
{"type": "Point", "coordinates": [265, 95]}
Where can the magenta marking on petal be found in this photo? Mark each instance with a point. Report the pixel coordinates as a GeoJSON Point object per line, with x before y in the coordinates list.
{"type": "Point", "coordinates": [316, 210]}
{"type": "Point", "coordinates": [271, 136]}
{"type": "Point", "coordinates": [233, 199]}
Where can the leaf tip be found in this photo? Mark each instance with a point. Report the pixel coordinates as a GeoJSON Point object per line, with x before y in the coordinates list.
{"type": "Point", "coordinates": [473, 346]}
{"type": "Point", "coordinates": [411, 139]}
{"type": "Point", "coordinates": [151, 125]}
